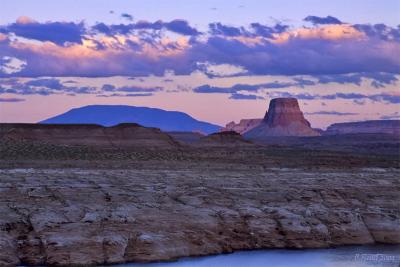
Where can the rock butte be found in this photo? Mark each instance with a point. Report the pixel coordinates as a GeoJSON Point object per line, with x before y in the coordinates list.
{"type": "Point", "coordinates": [284, 118]}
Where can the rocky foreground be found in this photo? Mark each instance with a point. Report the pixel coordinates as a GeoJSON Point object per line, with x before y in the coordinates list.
{"type": "Point", "coordinates": [87, 195]}
{"type": "Point", "coordinates": [89, 216]}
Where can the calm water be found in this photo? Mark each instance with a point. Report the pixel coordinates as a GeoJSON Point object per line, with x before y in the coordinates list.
{"type": "Point", "coordinates": [375, 256]}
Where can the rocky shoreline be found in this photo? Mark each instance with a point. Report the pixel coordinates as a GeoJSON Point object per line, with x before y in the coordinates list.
{"type": "Point", "coordinates": [105, 216]}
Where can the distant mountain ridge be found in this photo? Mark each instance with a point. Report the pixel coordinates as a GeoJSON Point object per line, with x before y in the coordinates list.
{"type": "Point", "coordinates": [365, 127]}
{"type": "Point", "coordinates": [110, 115]}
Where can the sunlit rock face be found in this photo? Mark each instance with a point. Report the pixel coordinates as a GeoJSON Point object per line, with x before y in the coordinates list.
{"type": "Point", "coordinates": [243, 126]}
{"type": "Point", "coordinates": [365, 127]}
{"type": "Point", "coordinates": [284, 118]}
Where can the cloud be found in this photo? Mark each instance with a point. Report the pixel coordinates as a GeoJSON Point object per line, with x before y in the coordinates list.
{"type": "Point", "coordinates": [221, 29]}
{"type": "Point", "coordinates": [221, 70]}
{"type": "Point", "coordinates": [392, 116]}
{"type": "Point", "coordinates": [379, 79]}
{"type": "Point", "coordinates": [138, 89]}
{"type": "Point", "coordinates": [382, 97]}
{"type": "Point", "coordinates": [380, 31]}
{"type": "Point", "coordinates": [268, 31]}
{"type": "Point", "coordinates": [207, 89]}
{"type": "Point", "coordinates": [125, 95]}
{"type": "Point", "coordinates": [297, 82]}
{"type": "Point", "coordinates": [127, 16]}
{"type": "Point", "coordinates": [146, 48]}
{"type": "Point", "coordinates": [10, 65]}
{"type": "Point", "coordinates": [322, 20]}
{"type": "Point", "coordinates": [49, 83]}
{"type": "Point", "coordinates": [51, 86]}
{"type": "Point", "coordinates": [43, 86]}
{"type": "Point", "coordinates": [108, 87]}
{"type": "Point", "coordinates": [135, 89]}
{"type": "Point", "coordinates": [11, 100]}
{"type": "Point", "coordinates": [237, 96]}
{"type": "Point", "coordinates": [182, 27]}
{"type": "Point", "coordinates": [178, 26]}
{"type": "Point", "coordinates": [56, 32]}
{"type": "Point", "coordinates": [333, 113]}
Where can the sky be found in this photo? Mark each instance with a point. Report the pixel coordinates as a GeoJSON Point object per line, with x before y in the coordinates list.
{"type": "Point", "coordinates": [218, 61]}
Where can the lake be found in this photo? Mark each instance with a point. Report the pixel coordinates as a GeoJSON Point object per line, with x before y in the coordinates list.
{"type": "Point", "coordinates": [354, 256]}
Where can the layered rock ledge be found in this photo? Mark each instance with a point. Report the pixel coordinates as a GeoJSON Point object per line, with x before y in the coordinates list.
{"type": "Point", "coordinates": [104, 216]}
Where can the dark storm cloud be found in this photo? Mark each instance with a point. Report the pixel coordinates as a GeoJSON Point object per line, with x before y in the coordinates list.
{"type": "Point", "coordinates": [322, 20]}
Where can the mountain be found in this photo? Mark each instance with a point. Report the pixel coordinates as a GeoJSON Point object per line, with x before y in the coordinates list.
{"type": "Point", "coordinates": [110, 115]}
{"type": "Point", "coordinates": [367, 127]}
{"type": "Point", "coordinates": [284, 118]}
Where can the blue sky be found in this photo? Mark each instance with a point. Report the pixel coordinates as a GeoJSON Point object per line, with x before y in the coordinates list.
{"type": "Point", "coordinates": [201, 12]}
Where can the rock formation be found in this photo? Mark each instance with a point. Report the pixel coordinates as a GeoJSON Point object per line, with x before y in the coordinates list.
{"type": "Point", "coordinates": [365, 127]}
{"type": "Point", "coordinates": [186, 137]}
{"type": "Point", "coordinates": [243, 126]}
{"type": "Point", "coordinates": [284, 118]}
{"type": "Point", "coordinates": [123, 135]}
{"type": "Point", "coordinates": [112, 115]}
{"type": "Point", "coordinates": [229, 138]}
